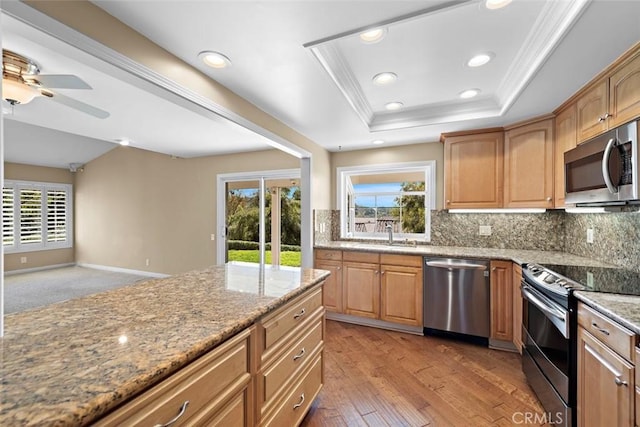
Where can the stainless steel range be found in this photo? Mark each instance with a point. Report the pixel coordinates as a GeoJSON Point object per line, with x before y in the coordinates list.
{"type": "Point", "coordinates": [548, 332]}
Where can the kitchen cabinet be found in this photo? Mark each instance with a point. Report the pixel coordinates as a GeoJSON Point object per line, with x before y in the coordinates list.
{"type": "Point", "coordinates": [528, 165]}
{"type": "Point", "coordinates": [501, 301]}
{"type": "Point", "coordinates": [624, 92]}
{"type": "Point", "coordinates": [361, 282]}
{"type": "Point", "coordinates": [401, 289]}
{"type": "Point", "coordinates": [606, 377]}
{"type": "Point", "coordinates": [331, 260]}
{"type": "Point", "coordinates": [516, 279]}
{"type": "Point", "coordinates": [591, 109]}
{"type": "Point", "coordinates": [566, 138]}
{"type": "Point", "coordinates": [473, 168]}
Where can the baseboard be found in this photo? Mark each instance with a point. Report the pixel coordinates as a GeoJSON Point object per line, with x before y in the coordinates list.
{"type": "Point", "coordinates": [34, 269]}
{"type": "Point", "coordinates": [123, 270]}
{"type": "Point", "coordinates": [502, 345]}
{"type": "Point", "coordinates": [374, 323]}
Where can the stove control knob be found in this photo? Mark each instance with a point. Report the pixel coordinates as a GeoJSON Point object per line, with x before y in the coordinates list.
{"type": "Point", "coordinates": [561, 282]}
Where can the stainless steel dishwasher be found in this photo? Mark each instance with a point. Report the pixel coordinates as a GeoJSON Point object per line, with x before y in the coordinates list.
{"type": "Point", "coordinates": [457, 296]}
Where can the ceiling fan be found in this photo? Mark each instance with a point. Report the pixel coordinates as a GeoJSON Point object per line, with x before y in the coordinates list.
{"type": "Point", "coordinates": [22, 82]}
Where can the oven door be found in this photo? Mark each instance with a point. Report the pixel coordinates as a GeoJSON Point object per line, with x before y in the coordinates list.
{"type": "Point", "coordinates": [546, 337]}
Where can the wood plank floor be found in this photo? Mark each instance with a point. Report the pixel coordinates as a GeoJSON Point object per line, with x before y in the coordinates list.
{"type": "Point", "coordinates": [375, 377]}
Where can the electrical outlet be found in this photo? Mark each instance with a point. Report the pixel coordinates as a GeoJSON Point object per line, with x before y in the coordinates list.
{"type": "Point", "coordinates": [146, 262]}
{"type": "Point", "coordinates": [589, 279]}
{"type": "Point", "coordinates": [23, 260]}
{"type": "Point", "coordinates": [485, 230]}
{"type": "Point", "coordinates": [213, 237]}
{"type": "Point", "coordinates": [589, 235]}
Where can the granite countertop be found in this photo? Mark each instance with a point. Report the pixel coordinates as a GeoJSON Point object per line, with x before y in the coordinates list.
{"type": "Point", "coordinates": [70, 363]}
{"type": "Point", "coordinates": [624, 309]}
{"type": "Point", "coordinates": [516, 255]}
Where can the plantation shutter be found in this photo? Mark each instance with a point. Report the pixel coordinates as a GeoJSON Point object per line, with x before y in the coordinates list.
{"type": "Point", "coordinates": [56, 215]}
{"type": "Point", "coordinates": [8, 217]}
{"type": "Point", "coordinates": [30, 216]}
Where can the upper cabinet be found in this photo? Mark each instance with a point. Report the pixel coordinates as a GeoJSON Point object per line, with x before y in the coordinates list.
{"type": "Point", "coordinates": [611, 100]}
{"type": "Point", "coordinates": [528, 165]}
{"type": "Point", "coordinates": [566, 138]}
{"type": "Point", "coordinates": [473, 169]}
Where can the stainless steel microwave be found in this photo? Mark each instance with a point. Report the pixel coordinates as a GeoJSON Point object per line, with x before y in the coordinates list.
{"type": "Point", "coordinates": [604, 170]}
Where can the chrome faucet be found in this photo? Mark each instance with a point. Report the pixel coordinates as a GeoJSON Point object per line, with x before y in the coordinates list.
{"type": "Point", "coordinates": [390, 231]}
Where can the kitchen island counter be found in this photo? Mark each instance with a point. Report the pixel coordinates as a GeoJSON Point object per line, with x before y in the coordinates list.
{"type": "Point", "coordinates": [72, 362]}
{"type": "Point", "coordinates": [624, 309]}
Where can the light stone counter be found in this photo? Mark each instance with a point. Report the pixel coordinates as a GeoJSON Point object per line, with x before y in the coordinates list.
{"type": "Point", "coordinates": [624, 309]}
{"type": "Point", "coordinates": [515, 255]}
{"type": "Point", "coordinates": [69, 363]}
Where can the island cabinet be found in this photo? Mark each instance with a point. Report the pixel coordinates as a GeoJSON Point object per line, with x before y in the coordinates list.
{"type": "Point", "coordinates": [216, 389]}
{"type": "Point", "coordinates": [566, 138]}
{"type": "Point", "coordinates": [501, 304]}
{"type": "Point", "coordinates": [606, 378]}
{"type": "Point", "coordinates": [528, 165]}
{"type": "Point", "coordinates": [473, 168]}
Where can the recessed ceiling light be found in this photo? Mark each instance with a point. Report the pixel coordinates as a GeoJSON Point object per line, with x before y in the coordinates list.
{"type": "Point", "coordinates": [480, 59]}
{"type": "Point", "coordinates": [385, 78]}
{"type": "Point", "coordinates": [214, 59]}
{"type": "Point", "coordinates": [396, 105]}
{"type": "Point", "coordinates": [469, 93]}
{"type": "Point", "coordinates": [496, 4]}
{"type": "Point", "coordinates": [373, 36]}
{"type": "Point", "coordinates": [123, 141]}
{"type": "Point", "coordinates": [377, 142]}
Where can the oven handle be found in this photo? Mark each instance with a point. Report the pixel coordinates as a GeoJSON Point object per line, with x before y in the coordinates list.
{"type": "Point", "coordinates": [547, 306]}
{"type": "Point", "coordinates": [605, 167]}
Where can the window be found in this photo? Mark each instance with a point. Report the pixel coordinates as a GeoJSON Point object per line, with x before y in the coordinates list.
{"type": "Point", "coordinates": [374, 198]}
{"type": "Point", "coordinates": [36, 216]}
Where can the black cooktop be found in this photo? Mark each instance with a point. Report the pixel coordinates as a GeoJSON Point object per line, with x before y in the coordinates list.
{"type": "Point", "coordinates": [615, 280]}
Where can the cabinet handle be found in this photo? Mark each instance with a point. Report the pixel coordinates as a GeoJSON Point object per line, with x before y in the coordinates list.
{"type": "Point", "coordinates": [299, 355]}
{"type": "Point", "coordinates": [382, 272]}
{"type": "Point", "coordinates": [620, 382]}
{"type": "Point", "coordinates": [448, 202]}
{"type": "Point", "coordinates": [603, 118]}
{"type": "Point", "coordinates": [299, 404]}
{"type": "Point", "coordinates": [299, 315]}
{"type": "Point", "coordinates": [604, 331]}
{"type": "Point", "coordinates": [339, 268]}
{"type": "Point", "coordinates": [375, 272]}
{"type": "Point", "coordinates": [183, 409]}
{"type": "Point", "coordinates": [548, 199]}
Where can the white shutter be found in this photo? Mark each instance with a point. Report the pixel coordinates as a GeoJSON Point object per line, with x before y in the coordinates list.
{"type": "Point", "coordinates": [56, 215]}
{"type": "Point", "coordinates": [8, 217]}
{"type": "Point", "coordinates": [30, 216]}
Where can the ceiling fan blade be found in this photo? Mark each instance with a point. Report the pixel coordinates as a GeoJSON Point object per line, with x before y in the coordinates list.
{"type": "Point", "coordinates": [62, 81]}
{"type": "Point", "coordinates": [80, 106]}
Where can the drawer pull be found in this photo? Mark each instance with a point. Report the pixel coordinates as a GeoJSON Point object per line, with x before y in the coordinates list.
{"type": "Point", "coordinates": [299, 315]}
{"type": "Point", "coordinates": [620, 382]}
{"type": "Point", "coordinates": [299, 404]}
{"type": "Point", "coordinates": [604, 331]}
{"type": "Point", "coordinates": [299, 355]}
{"type": "Point", "coordinates": [183, 409]}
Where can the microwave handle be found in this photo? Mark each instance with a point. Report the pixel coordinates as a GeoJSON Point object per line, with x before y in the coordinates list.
{"type": "Point", "coordinates": [605, 167]}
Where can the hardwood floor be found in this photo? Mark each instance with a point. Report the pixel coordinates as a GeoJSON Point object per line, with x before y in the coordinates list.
{"type": "Point", "coordinates": [375, 377]}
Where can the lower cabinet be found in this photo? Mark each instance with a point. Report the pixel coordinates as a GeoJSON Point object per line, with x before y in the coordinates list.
{"type": "Point", "coordinates": [361, 284]}
{"type": "Point", "coordinates": [401, 286]}
{"type": "Point", "coordinates": [517, 306]}
{"type": "Point", "coordinates": [331, 260]}
{"type": "Point", "coordinates": [501, 301]}
{"type": "Point", "coordinates": [606, 378]}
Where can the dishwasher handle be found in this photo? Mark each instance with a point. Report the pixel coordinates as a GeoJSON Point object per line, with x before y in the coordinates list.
{"type": "Point", "coordinates": [456, 266]}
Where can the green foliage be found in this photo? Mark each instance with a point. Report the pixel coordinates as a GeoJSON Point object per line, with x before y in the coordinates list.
{"type": "Point", "coordinates": [413, 208]}
{"type": "Point", "coordinates": [243, 245]}
{"type": "Point", "coordinates": [291, 259]}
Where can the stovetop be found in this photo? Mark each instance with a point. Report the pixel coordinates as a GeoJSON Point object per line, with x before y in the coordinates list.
{"type": "Point", "coordinates": [596, 279]}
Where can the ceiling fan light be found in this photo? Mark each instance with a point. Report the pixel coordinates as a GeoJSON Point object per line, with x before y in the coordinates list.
{"type": "Point", "coordinates": [373, 36]}
{"type": "Point", "coordinates": [15, 92]}
{"type": "Point", "coordinates": [214, 59]}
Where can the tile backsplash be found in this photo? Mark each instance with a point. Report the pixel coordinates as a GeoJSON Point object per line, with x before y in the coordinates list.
{"type": "Point", "coordinates": [616, 235]}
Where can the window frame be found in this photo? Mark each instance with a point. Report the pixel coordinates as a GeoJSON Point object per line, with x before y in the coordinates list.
{"type": "Point", "coordinates": [345, 188]}
{"type": "Point", "coordinates": [44, 187]}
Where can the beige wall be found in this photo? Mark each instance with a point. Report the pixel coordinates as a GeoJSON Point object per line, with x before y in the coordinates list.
{"type": "Point", "coordinates": [92, 21]}
{"type": "Point", "coordinates": [133, 204]}
{"type": "Point", "coordinates": [37, 259]}
{"type": "Point", "coordinates": [391, 154]}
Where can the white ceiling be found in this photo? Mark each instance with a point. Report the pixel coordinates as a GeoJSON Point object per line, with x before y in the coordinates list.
{"type": "Point", "coordinates": [284, 57]}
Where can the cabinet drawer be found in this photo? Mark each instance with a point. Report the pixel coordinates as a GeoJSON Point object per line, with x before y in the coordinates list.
{"type": "Point", "coordinates": [369, 257]}
{"type": "Point", "coordinates": [295, 405]}
{"type": "Point", "coordinates": [283, 321]}
{"type": "Point", "coordinates": [274, 377]}
{"type": "Point", "coordinates": [206, 383]}
{"type": "Point", "coordinates": [401, 260]}
{"type": "Point", "coordinates": [615, 336]}
{"type": "Point", "coordinates": [328, 254]}
{"type": "Point", "coordinates": [233, 414]}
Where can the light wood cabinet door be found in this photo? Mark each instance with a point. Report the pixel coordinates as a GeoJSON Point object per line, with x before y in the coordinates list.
{"type": "Point", "coordinates": [401, 299]}
{"type": "Point", "coordinates": [591, 110]}
{"type": "Point", "coordinates": [624, 93]}
{"type": "Point", "coordinates": [474, 170]}
{"type": "Point", "coordinates": [501, 301]}
{"type": "Point", "coordinates": [605, 385]}
{"type": "Point", "coordinates": [528, 166]}
{"type": "Point", "coordinates": [361, 284]}
{"type": "Point", "coordinates": [332, 289]}
{"type": "Point", "coordinates": [566, 139]}
{"type": "Point", "coordinates": [516, 279]}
